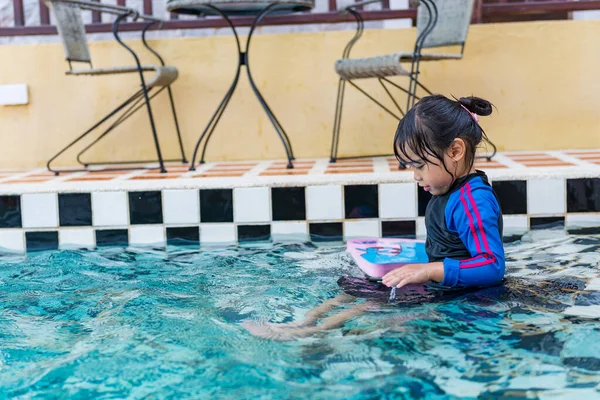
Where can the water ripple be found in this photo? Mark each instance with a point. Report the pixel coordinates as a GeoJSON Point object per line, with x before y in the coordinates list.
{"type": "Point", "coordinates": [127, 323]}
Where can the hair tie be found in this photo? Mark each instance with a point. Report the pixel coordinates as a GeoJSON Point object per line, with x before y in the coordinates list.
{"type": "Point", "coordinates": [473, 115]}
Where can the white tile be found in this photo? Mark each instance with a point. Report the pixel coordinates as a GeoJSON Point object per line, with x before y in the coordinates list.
{"type": "Point", "coordinates": [515, 223]}
{"type": "Point", "coordinates": [421, 229]}
{"type": "Point", "coordinates": [251, 204]}
{"type": "Point", "coordinates": [281, 230]}
{"type": "Point", "coordinates": [76, 238]}
{"type": "Point", "coordinates": [146, 235]}
{"type": "Point", "coordinates": [12, 240]}
{"type": "Point", "coordinates": [583, 311]}
{"type": "Point", "coordinates": [360, 229]}
{"type": "Point", "coordinates": [582, 220]}
{"type": "Point", "coordinates": [181, 207]}
{"type": "Point", "coordinates": [397, 200]}
{"type": "Point", "coordinates": [110, 209]}
{"type": "Point", "coordinates": [324, 202]}
{"type": "Point", "coordinates": [569, 393]}
{"type": "Point", "coordinates": [546, 196]}
{"type": "Point", "coordinates": [217, 233]}
{"type": "Point", "coordinates": [594, 284]}
{"type": "Point", "coordinates": [40, 210]}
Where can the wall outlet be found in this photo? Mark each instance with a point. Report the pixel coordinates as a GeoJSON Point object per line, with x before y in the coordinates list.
{"type": "Point", "coordinates": [13, 95]}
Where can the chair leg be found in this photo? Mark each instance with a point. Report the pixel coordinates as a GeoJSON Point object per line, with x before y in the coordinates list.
{"type": "Point", "coordinates": [424, 88]}
{"type": "Point", "coordinates": [413, 80]}
{"type": "Point", "coordinates": [489, 158]}
{"type": "Point", "coordinates": [183, 158]}
{"type": "Point", "coordinates": [339, 103]}
{"type": "Point", "coordinates": [494, 151]}
{"type": "Point", "coordinates": [162, 62]}
{"type": "Point", "coordinates": [116, 23]}
{"type": "Point", "coordinates": [391, 97]}
{"type": "Point", "coordinates": [338, 118]}
{"type": "Point", "coordinates": [411, 94]}
{"type": "Point", "coordinates": [90, 130]}
{"type": "Point", "coordinates": [135, 106]}
{"type": "Point", "coordinates": [153, 127]}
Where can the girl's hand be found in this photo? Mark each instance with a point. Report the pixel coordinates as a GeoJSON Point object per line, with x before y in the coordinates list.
{"type": "Point", "coordinates": [414, 273]}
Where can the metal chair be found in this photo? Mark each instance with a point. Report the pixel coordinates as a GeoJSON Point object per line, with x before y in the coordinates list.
{"type": "Point", "coordinates": [225, 9]}
{"type": "Point", "coordinates": [67, 14]}
{"type": "Point", "coordinates": [439, 23]}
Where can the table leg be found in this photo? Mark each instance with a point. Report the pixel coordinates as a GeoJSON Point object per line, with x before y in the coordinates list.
{"type": "Point", "coordinates": [243, 60]}
{"type": "Point", "coordinates": [276, 124]}
{"type": "Point", "coordinates": [212, 124]}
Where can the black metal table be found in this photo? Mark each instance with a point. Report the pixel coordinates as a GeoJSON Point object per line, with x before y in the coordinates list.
{"type": "Point", "coordinates": [226, 9]}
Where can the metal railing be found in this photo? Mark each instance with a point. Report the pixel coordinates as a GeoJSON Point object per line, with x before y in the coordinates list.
{"type": "Point", "coordinates": [485, 11]}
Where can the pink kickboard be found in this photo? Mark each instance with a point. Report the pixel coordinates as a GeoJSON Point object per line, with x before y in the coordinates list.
{"type": "Point", "coordinates": [377, 257]}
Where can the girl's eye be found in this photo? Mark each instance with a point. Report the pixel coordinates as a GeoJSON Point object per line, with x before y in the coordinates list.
{"type": "Point", "coordinates": [419, 167]}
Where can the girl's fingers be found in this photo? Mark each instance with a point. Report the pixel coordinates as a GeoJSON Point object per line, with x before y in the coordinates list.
{"type": "Point", "coordinates": [393, 273]}
{"type": "Point", "coordinates": [403, 282]}
{"type": "Point", "coordinates": [393, 280]}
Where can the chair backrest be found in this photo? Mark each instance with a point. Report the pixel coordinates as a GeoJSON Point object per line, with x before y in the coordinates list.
{"type": "Point", "coordinates": [453, 19]}
{"type": "Point", "coordinates": [71, 29]}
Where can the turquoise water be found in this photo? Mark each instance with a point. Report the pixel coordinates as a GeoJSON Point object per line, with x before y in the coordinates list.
{"type": "Point", "coordinates": [124, 323]}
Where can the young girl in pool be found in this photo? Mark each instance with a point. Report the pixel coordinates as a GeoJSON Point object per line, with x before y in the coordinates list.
{"type": "Point", "coordinates": [437, 138]}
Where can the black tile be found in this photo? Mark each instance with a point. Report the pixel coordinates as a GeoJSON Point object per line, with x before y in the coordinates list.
{"type": "Point", "coordinates": [588, 230]}
{"type": "Point", "coordinates": [10, 211]}
{"type": "Point", "coordinates": [423, 198]}
{"type": "Point", "coordinates": [183, 235]}
{"type": "Point", "coordinates": [511, 238]}
{"type": "Point", "coordinates": [145, 208]}
{"type": "Point", "coordinates": [591, 298]}
{"type": "Point", "coordinates": [75, 209]}
{"type": "Point", "coordinates": [326, 231]}
{"type": "Point", "coordinates": [592, 249]}
{"type": "Point", "coordinates": [216, 205]}
{"type": "Point", "coordinates": [288, 203]}
{"type": "Point", "coordinates": [37, 241]}
{"type": "Point", "coordinates": [512, 196]}
{"type": "Point", "coordinates": [361, 201]}
{"type": "Point", "coordinates": [546, 222]}
{"type": "Point", "coordinates": [585, 241]}
{"type": "Point", "coordinates": [544, 343]}
{"type": "Point", "coordinates": [112, 237]}
{"type": "Point", "coordinates": [583, 195]}
{"type": "Point", "coordinates": [250, 233]}
{"type": "Point", "coordinates": [582, 363]}
{"type": "Point", "coordinates": [399, 229]}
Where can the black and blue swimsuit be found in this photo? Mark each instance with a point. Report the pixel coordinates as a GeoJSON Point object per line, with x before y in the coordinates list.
{"type": "Point", "coordinates": [464, 231]}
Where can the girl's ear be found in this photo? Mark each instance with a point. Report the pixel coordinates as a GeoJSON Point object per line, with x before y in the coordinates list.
{"type": "Point", "coordinates": [457, 149]}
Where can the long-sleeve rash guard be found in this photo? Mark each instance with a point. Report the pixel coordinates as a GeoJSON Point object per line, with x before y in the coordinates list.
{"type": "Point", "coordinates": [464, 231]}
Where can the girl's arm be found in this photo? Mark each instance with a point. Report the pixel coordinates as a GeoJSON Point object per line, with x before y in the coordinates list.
{"type": "Point", "coordinates": [473, 213]}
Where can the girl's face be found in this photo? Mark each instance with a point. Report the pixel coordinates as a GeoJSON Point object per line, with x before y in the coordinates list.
{"type": "Point", "coordinates": [433, 176]}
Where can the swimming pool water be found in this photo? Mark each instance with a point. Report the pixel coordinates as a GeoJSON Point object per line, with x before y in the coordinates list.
{"type": "Point", "coordinates": [125, 323]}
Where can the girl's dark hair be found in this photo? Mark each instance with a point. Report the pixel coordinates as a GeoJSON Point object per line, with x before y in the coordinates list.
{"type": "Point", "coordinates": [428, 128]}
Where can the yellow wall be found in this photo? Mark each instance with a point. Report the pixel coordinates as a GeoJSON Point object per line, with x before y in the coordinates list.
{"type": "Point", "coordinates": [543, 78]}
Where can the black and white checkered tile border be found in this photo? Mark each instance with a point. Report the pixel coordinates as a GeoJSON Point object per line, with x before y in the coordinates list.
{"type": "Point", "coordinates": [331, 212]}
